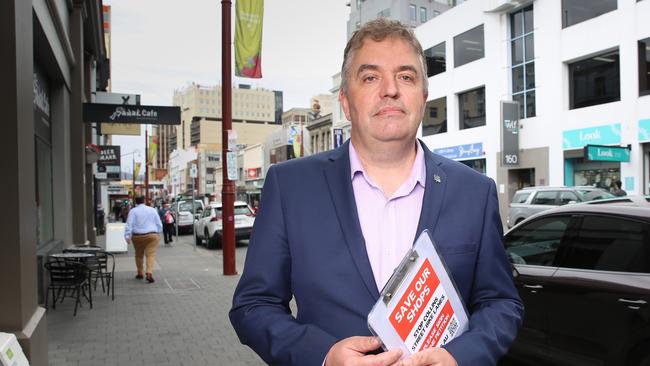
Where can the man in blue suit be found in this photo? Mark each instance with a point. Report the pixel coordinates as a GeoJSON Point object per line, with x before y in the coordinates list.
{"type": "Point", "coordinates": [332, 227]}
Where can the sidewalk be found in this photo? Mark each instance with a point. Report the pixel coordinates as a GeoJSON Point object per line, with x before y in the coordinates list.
{"type": "Point", "coordinates": [181, 319]}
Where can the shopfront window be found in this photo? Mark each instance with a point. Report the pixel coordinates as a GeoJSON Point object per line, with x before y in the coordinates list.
{"type": "Point", "coordinates": [43, 156]}
{"type": "Point", "coordinates": [478, 165]}
{"type": "Point", "coordinates": [595, 80]}
{"type": "Point", "coordinates": [472, 108]}
{"type": "Point", "coordinates": [435, 117]}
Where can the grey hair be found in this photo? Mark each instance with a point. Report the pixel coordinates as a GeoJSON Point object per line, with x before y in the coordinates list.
{"type": "Point", "coordinates": [379, 30]}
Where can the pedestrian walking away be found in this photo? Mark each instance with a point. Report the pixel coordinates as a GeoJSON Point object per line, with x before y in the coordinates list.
{"type": "Point", "coordinates": [368, 201]}
{"type": "Point", "coordinates": [168, 221]}
{"type": "Point", "coordinates": [143, 227]}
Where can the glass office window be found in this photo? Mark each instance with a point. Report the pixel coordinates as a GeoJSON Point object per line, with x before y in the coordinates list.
{"type": "Point", "coordinates": [413, 16]}
{"type": "Point", "coordinates": [644, 66]}
{"type": "Point", "coordinates": [595, 80]}
{"type": "Point", "coordinates": [435, 117]}
{"type": "Point", "coordinates": [522, 59]}
{"type": "Point", "coordinates": [469, 46]}
{"type": "Point", "coordinates": [471, 107]}
{"type": "Point", "coordinates": [577, 11]}
{"type": "Point", "coordinates": [423, 15]}
{"type": "Point", "coordinates": [436, 59]}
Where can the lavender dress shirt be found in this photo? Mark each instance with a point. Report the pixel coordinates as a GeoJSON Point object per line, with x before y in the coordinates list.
{"type": "Point", "coordinates": [388, 225]}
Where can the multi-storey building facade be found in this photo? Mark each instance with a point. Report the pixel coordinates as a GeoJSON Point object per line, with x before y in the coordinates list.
{"type": "Point", "coordinates": [256, 113]}
{"type": "Point", "coordinates": [53, 60]}
{"type": "Point", "coordinates": [582, 88]}
{"type": "Point", "coordinates": [412, 12]}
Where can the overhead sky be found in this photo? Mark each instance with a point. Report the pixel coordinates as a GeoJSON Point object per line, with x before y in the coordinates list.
{"type": "Point", "coordinates": [161, 45]}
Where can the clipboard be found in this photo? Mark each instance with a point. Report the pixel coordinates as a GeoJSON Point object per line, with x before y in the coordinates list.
{"type": "Point", "coordinates": [420, 306]}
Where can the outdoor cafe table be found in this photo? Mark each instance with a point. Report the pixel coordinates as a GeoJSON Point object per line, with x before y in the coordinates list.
{"type": "Point", "coordinates": [73, 256]}
{"type": "Point", "coordinates": [83, 249]}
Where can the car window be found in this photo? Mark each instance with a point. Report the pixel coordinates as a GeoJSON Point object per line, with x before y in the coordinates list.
{"type": "Point", "coordinates": [568, 197]}
{"type": "Point", "coordinates": [239, 210]}
{"type": "Point", "coordinates": [520, 197]}
{"type": "Point", "coordinates": [545, 198]}
{"type": "Point", "coordinates": [536, 242]}
{"type": "Point", "coordinates": [187, 206]}
{"type": "Point", "coordinates": [596, 194]}
{"type": "Point", "coordinates": [608, 244]}
{"type": "Point", "coordinates": [207, 213]}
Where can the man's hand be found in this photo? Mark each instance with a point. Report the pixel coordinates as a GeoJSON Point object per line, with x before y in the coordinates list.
{"type": "Point", "coordinates": [430, 356]}
{"type": "Point", "coordinates": [352, 351]}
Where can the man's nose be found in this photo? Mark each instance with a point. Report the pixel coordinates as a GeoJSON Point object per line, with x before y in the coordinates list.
{"type": "Point", "coordinates": [389, 88]}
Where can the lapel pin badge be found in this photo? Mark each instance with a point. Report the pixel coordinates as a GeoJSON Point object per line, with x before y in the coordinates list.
{"type": "Point", "coordinates": [436, 178]}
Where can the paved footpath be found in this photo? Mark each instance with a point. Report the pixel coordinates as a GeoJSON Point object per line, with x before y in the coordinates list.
{"type": "Point", "coordinates": [181, 319]}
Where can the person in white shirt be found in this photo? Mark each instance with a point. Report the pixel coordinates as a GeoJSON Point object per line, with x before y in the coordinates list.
{"type": "Point", "coordinates": [143, 227]}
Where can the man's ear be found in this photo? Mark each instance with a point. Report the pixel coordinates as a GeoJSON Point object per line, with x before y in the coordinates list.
{"type": "Point", "coordinates": [343, 98]}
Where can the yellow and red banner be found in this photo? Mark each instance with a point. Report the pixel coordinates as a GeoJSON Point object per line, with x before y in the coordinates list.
{"type": "Point", "coordinates": [249, 16]}
{"type": "Point", "coordinates": [153, 147]}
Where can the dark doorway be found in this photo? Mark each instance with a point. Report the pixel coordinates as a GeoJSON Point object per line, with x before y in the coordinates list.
{"type": "Point", "coordinates": [518, 179]}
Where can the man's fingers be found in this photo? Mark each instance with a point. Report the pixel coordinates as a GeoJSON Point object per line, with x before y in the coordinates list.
{"type": "Point", "coordinates": [363, 344]}
{"type": "Point", "coordinates": [382, 359]}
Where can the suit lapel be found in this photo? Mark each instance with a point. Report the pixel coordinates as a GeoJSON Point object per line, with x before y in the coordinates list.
{"type": "Point", "coordinates": [434, 193]}
{"type": "Point", "coordinates": [337, 175]}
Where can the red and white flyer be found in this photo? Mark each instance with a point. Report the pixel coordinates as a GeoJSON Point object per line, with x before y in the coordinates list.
{"type": "Point", "coordinates": [419, 307]}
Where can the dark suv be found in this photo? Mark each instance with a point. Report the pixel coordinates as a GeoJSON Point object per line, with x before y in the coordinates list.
{"type": "Point", "coordinates": [583, 272]}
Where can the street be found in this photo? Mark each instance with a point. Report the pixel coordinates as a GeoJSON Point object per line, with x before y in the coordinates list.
{"type": "Point", "coordinates": [181, 319]}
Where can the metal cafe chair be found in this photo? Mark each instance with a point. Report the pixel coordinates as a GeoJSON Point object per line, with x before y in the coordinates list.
{"type": "Point", "coordinates": [106, 273]}
{"type": "Point", "coordinates": [68, 275]}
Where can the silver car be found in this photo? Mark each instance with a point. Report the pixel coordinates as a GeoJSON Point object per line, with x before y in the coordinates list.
{"type": "Point", "coordinates": [531, 200]}
{"type": "Point", "coordinates": [209, 227]}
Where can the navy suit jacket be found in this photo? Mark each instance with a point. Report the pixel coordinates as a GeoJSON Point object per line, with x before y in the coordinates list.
{"type": "Point", "coordinates": [307, 244]}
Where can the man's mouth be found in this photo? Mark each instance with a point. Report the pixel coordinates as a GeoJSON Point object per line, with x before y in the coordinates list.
{"type": "Point", "coordinates": [389, 111]}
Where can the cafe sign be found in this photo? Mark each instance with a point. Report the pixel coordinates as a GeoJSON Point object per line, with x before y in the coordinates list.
{"type": "Point", "coordinates": [142, 114]}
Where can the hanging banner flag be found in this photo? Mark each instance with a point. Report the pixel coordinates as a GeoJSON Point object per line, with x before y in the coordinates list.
{"type": "Point", "coordinates": [153, 147]}
{"type": "Point", "coordinates": [136, 171]}
{"type": "Point", "coordinates": [249, 15]}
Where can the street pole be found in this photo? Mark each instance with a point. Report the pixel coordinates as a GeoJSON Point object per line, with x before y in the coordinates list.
{"type": "Point", "coordinates": [228, 187]}
{"type": "Point", "coordinates": [146, 165]}
{"type": "Point", "coordinates": [133, 195]}
{"type": "Point", "coordinates": [193, 217]}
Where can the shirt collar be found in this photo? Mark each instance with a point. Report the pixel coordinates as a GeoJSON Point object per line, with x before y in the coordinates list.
{"type": "Point", "coordinates": [418, 171]}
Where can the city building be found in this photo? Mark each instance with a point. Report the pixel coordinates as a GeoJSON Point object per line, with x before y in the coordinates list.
{"type": "Point", "coordinates": [582, 89]}
{"type": "Point", "coordinates": [320, 133]}
{"type": "Point", "coordinates": [412, 12]}
{"type": "Point", "coordinates": [53, 59]}
{"type": "Point", "coordinates": [256, 113]}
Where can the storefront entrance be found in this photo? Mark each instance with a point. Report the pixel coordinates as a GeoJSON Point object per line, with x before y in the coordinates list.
{"type": "Point", "coordinates": [592, 173]}
{"type": "Point", "coordinates": [518, 179]}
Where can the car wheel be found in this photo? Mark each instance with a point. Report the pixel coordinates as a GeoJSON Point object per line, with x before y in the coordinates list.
{"type": "Point", "coordinates": [518, 221]}
{"type": "Point", "coordinates": [197, 240]}
{"type": "Point", "coordinates": [214, 241]}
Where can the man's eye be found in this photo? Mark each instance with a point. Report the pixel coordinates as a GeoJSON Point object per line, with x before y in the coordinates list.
{"type": "Point", "coordinates": [369, 78]}
{"type": "Point", "coordinates": [406, 77]}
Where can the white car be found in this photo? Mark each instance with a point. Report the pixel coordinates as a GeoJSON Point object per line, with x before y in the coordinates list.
{"type": "Point", "coordinates": [208, 228]}
{"type": "Point", "coordinates": [182, 210]}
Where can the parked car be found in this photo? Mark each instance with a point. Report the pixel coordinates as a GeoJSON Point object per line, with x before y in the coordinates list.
{"type": "Point", "coordinates": [184, 215]}
{"type": "Point", "coordinates": [208, 229]}
{"type": "Point", "coordinates": [583, 273]}
{"type": "Point", "coordinates": [531, 200]}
